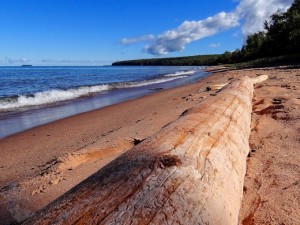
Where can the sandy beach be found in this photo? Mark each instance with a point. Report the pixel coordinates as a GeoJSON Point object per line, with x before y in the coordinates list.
{"type": "Point", "coordinates": [40, 164]}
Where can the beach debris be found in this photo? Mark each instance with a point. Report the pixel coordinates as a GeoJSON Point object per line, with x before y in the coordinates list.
{"type": "Point", "coordinates": [39, 190]}
{"type": "Point", "coordinates": [207, 89]}
{"type": "Point", "coordinates": [216, 87]}
{"type": "Point", "coordinates": [260, 78]}
{"type": "Point", "coordinates": [188, 97]}
{"type": "Point", "coordinates": [54, 181]}
{"type": "Point", "coordinates": [287, 86]}
{"type": "Point", "coordinates": [137, 141]}
{"type": "Point", "coordinates": [277, 101]}
{"type": "Point", "coordinates": [184, 112]}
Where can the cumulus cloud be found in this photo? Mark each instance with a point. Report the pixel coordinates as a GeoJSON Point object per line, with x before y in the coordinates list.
{"type": "Point", "coordinates": [255, 12]}
{"type": "Point", "coordinates": [249, 13]}
{"type": "Point", "coordinates": [176, 39]}
{"type": "Point", "coordinates": [215, 45]}
{"type": "Point", "coordinates": [127, 41]}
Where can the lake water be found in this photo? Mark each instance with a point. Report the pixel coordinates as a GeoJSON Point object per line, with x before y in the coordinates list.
{"type": "Point", "coordinates": [32, 96]}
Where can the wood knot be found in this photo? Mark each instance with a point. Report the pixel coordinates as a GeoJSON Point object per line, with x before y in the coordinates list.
{"type": "Point", "coordinates": [170, 160]}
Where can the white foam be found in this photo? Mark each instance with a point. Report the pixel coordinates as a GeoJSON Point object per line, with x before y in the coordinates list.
{"type": "Point", "coordinates": [51, 96]}
{"type": "Point", "coordinates": [148, 82]}
{"type": "Point", "coordinates": [180, 73]}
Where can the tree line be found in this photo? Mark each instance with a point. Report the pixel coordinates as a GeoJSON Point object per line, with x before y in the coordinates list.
{"type": "Point", "coordinates": [279, 42]}
{"type": "Point", "coordinates": [175, 61]}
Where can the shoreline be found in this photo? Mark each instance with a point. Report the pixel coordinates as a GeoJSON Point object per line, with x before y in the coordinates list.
{"type": "Point", "coordinates": [40, 164]}
{"type": "Point", "coordinates": [23, 119]}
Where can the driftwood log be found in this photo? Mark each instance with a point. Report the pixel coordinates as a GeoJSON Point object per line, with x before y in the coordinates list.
{"type": "Point", "coordinates": [191, 172]}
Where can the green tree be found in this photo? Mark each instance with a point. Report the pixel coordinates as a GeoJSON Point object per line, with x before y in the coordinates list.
{"type": "Point", "coordinates": [255, 46]}
{"type": "Point", "coordinates": [293, 21]}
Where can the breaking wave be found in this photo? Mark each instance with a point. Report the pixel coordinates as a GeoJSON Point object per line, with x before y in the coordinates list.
{"type": "Point", "coordinates": [52, 96]}
{"type": "Point", "coordinates": [181, 73]}
{"type": "Point", "coordinates": [146, 82]}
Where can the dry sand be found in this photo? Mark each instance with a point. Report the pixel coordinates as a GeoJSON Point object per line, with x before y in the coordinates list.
{"type": "Point", "coordinates": [39, 165]}
{"type": "Point", "coordinates": [272, 182]}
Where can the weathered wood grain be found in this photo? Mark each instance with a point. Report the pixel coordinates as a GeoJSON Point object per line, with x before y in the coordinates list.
{"type": "Point", "coordinates": [191, 172]}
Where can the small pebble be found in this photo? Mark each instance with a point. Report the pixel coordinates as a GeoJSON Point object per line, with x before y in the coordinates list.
{"type": "Point", "coordinates": [207, 89]}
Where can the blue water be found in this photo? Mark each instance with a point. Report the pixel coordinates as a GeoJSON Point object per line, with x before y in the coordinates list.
{"type": "Point", "coordinates": [31, 96]}
{"type": "Point", "coordinates": [23, 81]}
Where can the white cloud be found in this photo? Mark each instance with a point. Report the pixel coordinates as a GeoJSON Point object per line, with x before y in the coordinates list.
{"type": "Point", "coordinates": [255, 12]}
{"type": "Point", "coordinates": [250, 13]}
{"type": "Point", "coordinates": [215, 45]}
{"type": "Point", "coordinates": [127, 41]}
{"type": "Point", "coordinates": [189, 31]}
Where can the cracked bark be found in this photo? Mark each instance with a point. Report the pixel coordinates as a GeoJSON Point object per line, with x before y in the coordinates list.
{"type": "Point", "coordinates": [191, 172]}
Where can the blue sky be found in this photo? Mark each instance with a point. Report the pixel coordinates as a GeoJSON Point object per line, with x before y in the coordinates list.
{"type": "Point", "coordinates": [90, 32]}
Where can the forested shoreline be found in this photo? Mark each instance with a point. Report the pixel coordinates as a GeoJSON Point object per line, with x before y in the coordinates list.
{"type": "Point", "coordinates": [279, 43]}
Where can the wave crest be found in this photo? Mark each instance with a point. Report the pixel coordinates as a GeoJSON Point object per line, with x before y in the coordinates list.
{"type": "Point", "coordinates": [51, 96]}
{"type": "Point", "coordinates": [181, 73]}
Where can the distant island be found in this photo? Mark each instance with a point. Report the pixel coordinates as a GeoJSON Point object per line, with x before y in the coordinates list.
{"type": "Point", "coordinates": [278, 44]}
{"type": "Point", "coordinates": [26, 66]}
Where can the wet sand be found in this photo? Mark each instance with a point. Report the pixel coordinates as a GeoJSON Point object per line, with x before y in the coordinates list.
{"type": "Point", "coordinates": [39, 165]}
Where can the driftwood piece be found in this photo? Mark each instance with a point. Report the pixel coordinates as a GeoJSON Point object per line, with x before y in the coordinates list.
{"type": "Point", "coordinates": [217, 87]}
{"type": "Point", "coordinates": [191, 172]}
